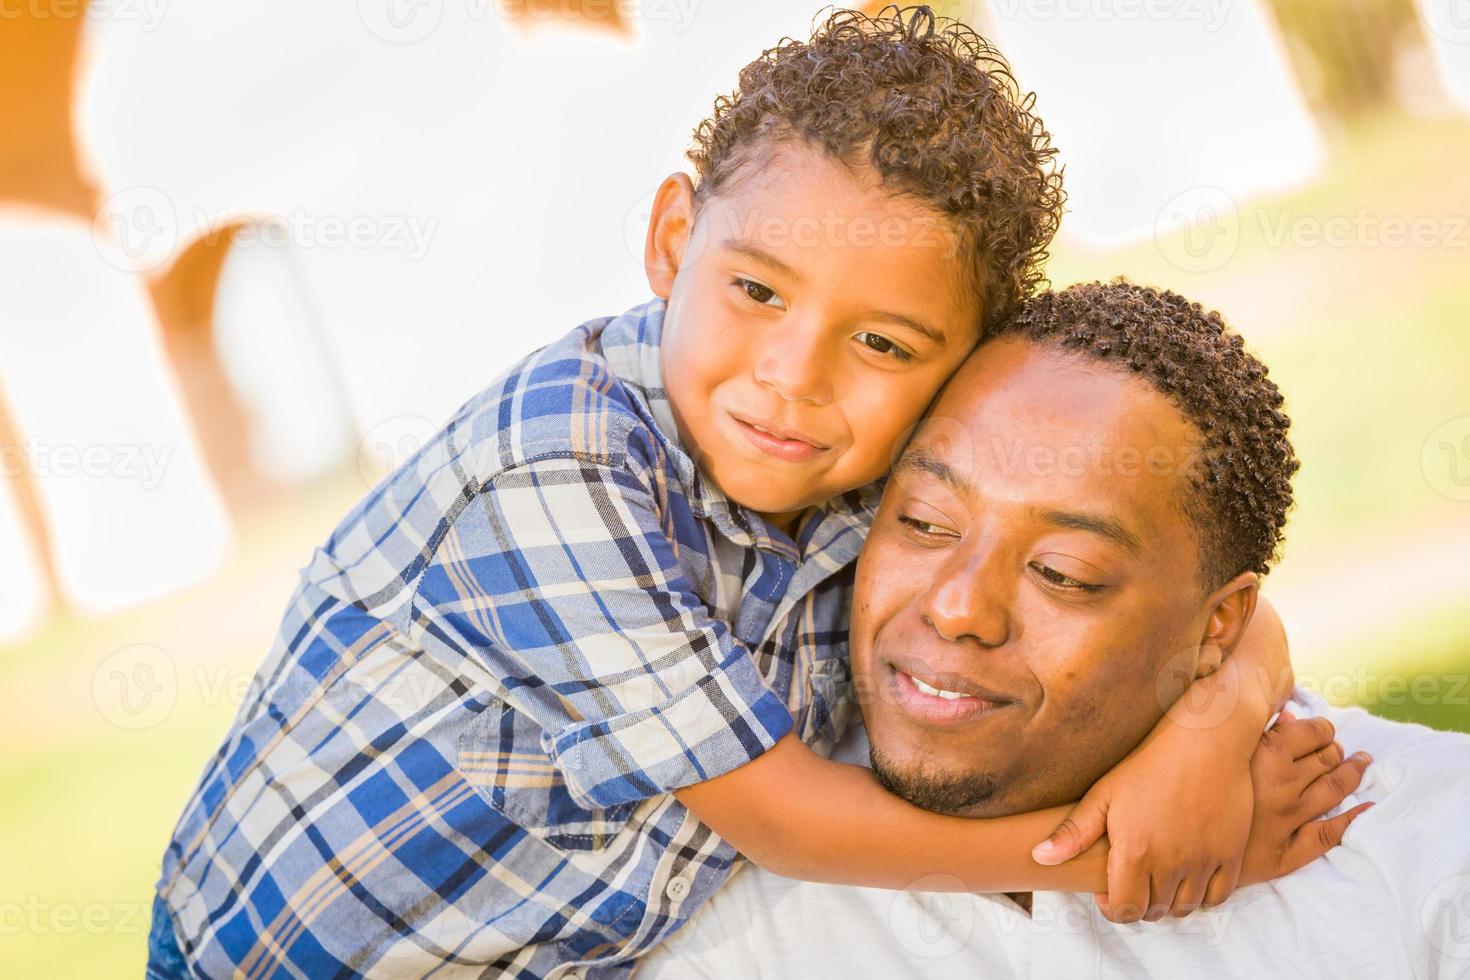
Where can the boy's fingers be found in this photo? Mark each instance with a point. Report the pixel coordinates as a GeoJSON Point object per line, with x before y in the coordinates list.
{"type": "Point", "coordinates": [1222, 884]}
{"type": "Point", "coordinates": [1306, 735]}
{"type": "Point", "coordinates": [1190, 895]}
{"type": "Point", "coordinates": [1329, 789]}
{"type": "Point", "coordinates": [1325, 759]}
{"type": "Point", "coordinates": [1081, 828]}
{"type": "Point", "coordinates": [1127, 888]}
{"type": "Point", "coordinates": [1162, 895]}
{"type": "Point", "coordinates": [1318, 837]}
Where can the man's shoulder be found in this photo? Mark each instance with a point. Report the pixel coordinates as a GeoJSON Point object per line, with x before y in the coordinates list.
{"type": "Point", "coordinates": [1417, 773]}
{"type": "Point", "coordinates": [1413, 747]}
{"type": "Point", "coordinates": [1411, 845]}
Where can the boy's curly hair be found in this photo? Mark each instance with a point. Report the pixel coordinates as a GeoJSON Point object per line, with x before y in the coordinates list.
{"type": "Point", "coordinates": [930, 106]}
{"type": "Point", "coordinates": [1241, 485]}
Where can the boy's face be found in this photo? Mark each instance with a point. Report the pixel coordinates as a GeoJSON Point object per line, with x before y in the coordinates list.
{"type": "Point", "coordinates": [812, 316]}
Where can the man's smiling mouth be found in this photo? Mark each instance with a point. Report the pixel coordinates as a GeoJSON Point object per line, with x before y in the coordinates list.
{"type": "Point", "coordinates": [935, 691]}
{"type": "Point", "coordinates": [940, 698]}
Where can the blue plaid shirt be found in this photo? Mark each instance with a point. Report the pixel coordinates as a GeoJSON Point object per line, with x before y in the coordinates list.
{"type": "Point", "coordinates": [459, 755]}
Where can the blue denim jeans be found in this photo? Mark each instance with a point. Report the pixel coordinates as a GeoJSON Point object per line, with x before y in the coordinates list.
{"type": "Point", "coordinates": [165, 959]}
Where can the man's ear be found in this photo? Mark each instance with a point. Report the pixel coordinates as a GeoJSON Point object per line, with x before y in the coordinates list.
{"type": "Point", "coordinates": [669, 227]}
{"type": "Point", "coordinates": [1231, 607]}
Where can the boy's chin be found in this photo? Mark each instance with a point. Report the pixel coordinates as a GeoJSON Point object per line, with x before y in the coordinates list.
{"type": "Point", "coordinates": [764, 496]}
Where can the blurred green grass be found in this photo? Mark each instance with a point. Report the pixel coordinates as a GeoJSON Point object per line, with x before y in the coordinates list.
{"type": "Point", "coordinates": [1370, 345]}
{"type": "Point", "coordinates": [1415, 671]}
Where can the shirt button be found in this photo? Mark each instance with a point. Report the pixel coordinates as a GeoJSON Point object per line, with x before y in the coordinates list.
{"type": "Point", "coordinates": [571, 975]}
{"type": "Point", "coordinates": [677, 888]}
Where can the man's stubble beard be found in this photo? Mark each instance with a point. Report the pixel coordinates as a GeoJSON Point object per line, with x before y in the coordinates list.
{"type": "Point", "coordinates": [930, 788]}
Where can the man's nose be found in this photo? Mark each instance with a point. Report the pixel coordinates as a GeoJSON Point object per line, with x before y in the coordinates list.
{"type": "Point", "coordinates": [794, 362]}
{"type": "Point", "coordinates": [969, 599]}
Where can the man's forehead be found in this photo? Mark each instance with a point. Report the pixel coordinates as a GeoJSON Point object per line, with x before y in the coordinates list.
{"type": "Point", "coordinates": [1052, 431]}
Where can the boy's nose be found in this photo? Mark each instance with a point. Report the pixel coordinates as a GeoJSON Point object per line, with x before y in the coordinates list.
{"type": "Point", "coordinates": [793, 364]}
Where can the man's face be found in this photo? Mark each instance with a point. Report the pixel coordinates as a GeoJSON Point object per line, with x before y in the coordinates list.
{"type": "Point", "coordinates": [813, 317]}
{"type": "Point", "coordinates": [1032, 555]}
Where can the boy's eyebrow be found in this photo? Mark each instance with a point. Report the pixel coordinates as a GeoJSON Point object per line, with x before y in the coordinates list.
{"type": "Point", "coordinates": [1107, 527]}
{"type": "Point", "coordinates": [918, 326]}
{"type": "Point", "coordinates": [760, 255]}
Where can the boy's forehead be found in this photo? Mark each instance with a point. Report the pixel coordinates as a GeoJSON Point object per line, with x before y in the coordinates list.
{"type": "Point", "coordinates": [802, 182]}
{"type": "Point", "coordinates": [805, 208]}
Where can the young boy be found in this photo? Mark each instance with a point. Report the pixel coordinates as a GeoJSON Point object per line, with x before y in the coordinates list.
{"type": "Point", "coordinates": [544, 681]}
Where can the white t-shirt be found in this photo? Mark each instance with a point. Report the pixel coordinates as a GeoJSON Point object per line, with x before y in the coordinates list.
{"type": "Point", "coordinates": [1392, 901]}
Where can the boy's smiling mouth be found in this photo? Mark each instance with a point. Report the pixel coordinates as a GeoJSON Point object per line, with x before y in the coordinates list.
{"type": "Point", "coordinates": [784, 444]}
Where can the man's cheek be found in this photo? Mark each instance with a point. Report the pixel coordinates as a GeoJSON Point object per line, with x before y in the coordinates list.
{"type": "Point", "coordinates": [1092, 699]}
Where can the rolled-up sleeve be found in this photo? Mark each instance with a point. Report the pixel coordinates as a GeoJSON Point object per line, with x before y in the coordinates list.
{"type": "Point", "coordinates": [563, 578]}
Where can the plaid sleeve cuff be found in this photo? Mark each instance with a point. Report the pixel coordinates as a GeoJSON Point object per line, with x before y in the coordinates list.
{"type": "Point", "coordinates": [726, 719]}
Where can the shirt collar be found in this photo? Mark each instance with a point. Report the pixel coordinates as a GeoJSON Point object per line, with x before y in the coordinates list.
{"type": "Point", "coordinates": [631, 344]}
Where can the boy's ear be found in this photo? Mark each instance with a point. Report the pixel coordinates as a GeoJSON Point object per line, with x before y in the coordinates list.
{"type": "Point", "coordinates": [669, 227]}
{"type": "Point", "coordinates": [1231, 607]}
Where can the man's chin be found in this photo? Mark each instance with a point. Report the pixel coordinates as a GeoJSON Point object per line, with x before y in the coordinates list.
{"type": "Point", "coordinates": [926, 784]}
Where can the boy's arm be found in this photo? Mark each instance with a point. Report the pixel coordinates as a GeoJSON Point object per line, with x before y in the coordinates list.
{"type": "Point", "coordinates": [796, 814]}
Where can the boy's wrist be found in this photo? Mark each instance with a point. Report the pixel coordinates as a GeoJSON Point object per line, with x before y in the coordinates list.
{"type": "Point", "coordinates": [1224, 708]}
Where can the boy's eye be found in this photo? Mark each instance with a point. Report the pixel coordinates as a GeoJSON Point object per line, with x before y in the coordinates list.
{"type": "Point", "coordinates": [759, 293]}
{"type": "Point", "coordinates": [883, 345]}
{"type": "Point", "coordinates": [1061, 581]}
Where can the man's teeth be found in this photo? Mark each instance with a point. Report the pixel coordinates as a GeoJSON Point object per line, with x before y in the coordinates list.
{"type": "Point", "coordinates": [934, 691]}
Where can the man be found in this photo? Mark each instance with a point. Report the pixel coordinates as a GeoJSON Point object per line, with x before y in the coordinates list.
{"type": "Point", "coordinates": [1079, 529]}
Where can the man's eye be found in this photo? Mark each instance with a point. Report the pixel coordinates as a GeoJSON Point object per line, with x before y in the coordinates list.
{"type": "Point", "coordinates": [883, 345]}
{"type": "Point", "coordinates": [759, 293]}
{"type": "Point", "coordinates": [1063, 581]}
{"type": "Point", "coordinates": [925, 529]}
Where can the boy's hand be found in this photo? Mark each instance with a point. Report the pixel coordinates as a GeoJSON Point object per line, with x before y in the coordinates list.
{"type": "Point", "coordinates": [1175, 831]}
{"type": "Point", "coordinates": [1181, 836]}
{"type": "Point", "coordinates": [1299, 774]}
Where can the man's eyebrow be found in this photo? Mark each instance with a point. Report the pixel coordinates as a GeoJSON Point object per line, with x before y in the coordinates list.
{"type": "Point", "coordinates": [918, 326]}
{"type": "Point", "coordinates": [921, 461]}
{"type": "Point", "coordinates": [1107, 527]}
{"type": "Point", "coordinates": [760, 255]}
